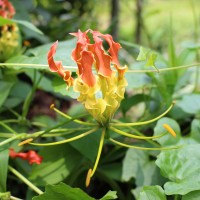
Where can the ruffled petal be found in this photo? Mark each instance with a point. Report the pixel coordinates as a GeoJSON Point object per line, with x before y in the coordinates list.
{"type": "Point", "coordinates": [86, 63]}
{"type": "Point", "coordinates": [113, 46]}
{"type": "Point", "coordinates": [56, 66]}
{"type": "Point", "coordinates": [102, 59]}
{"type": "Point", "coordinates": [81, 45]}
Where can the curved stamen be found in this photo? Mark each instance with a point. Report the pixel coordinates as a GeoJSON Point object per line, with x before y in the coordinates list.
{"type": "Point", "coordinates": [136, 136]}
{"type": "Point", "coordinates": [67, 140]}
{"type": "Point", "coordinates": [92, 171]}
{"type": "Point", "coordinates": [69, 117]}
{"type": "Point", "coordinates": [145, 122]}
{"type": "Point", "coordinates": [142, 148]}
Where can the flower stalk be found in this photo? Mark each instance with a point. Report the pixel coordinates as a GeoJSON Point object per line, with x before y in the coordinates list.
{"type": "Point", "coordinates": [25, 180]}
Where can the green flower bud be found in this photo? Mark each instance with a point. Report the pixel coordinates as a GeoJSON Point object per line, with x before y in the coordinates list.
{"type": "Point", "coordinates": [10, 41]}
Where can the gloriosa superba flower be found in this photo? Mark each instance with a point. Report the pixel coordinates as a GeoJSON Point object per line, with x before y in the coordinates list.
{"type": "Point", "coordinates": [100, 92]}
{"type": "Point", "coordinates": [101, 84]}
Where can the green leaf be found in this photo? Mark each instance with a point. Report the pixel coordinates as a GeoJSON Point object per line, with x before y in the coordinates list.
{"type": "Point", "coordinates": [132, 161]}
{"type": "Point", "coordinates": [152, 193]}
{"type": "Point", "coordinates": [4, 21]}
{"type": "Point", "coordinates": [142, 54]}
{"type": "Point", "coordinates": [137, 80]}
{"type": "Point", "coordinates": [192, 196]}
{"type": "Point", "coordinates": [110, 195]}
{"type": "Point", "coordinates": [151, 60]}
{"type": "Point", "coordinates": [28, 25]}
{"type": "Point", "coordinates": [62, 192]}
{"type": "Point", "coordinates": [38, 56]}
{"type": "Point", "coordinates": [171, 46]}
{"type": "Point", "coordinates": [150, 57]}
{"type": "Point", "coordinates": [190, 103]}
{"type": "Point", "coordinates": [137, 165]}
{"type": "Point", "coordinates": [5, 88]}
{"type": "Point", "coordinates": [195, 129]}
{"type": "Point", "coordinates": [58, 162]}
{"type": "Point", "coordinates": [17, 94]}
{"type": "Point", "coordinates": [88, 146]}
{"type": "Point", "coordinates": [182, 168]}
{"type": "Point", "coordinates": [168, 139]}
{"type": "Point", "coordinates": [4, 155]}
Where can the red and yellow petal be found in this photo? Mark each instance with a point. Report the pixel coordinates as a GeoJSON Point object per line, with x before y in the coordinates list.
{"type": "Point", "coordinates": [56, 66]}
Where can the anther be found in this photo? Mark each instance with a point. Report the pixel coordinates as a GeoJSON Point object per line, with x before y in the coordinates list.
{"type": "Point", "coordinates": [88, 178]}
{"type": "Point", "coordinates": [52, 106]}
{"type": "Point", "coordinates": [25, 142]}
{"type": "Point", "coordinates": [169, 129]}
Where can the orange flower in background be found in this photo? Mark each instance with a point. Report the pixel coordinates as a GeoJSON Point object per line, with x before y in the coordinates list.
{"type": "Point", "coordinates": [100, 82]}
{"type": "Point", "coordinates": [6, 9]}
{"type": "Point", "coordinates": [30, 156]}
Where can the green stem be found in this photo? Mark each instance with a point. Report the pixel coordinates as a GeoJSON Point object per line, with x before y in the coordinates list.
{"type": "Point", "coordinates": [35, 65]}
{"type": "Point", "coordinates": [29, 98]}
{"type": "Point", "coordinates": [11, 139]}
{"type": "Point", "coordinates": [11, 121]}
{"type": "Point", "coordinates": [6, 135]}
{"type": "Point", "coordinates": [14, 198]}
{"type": "Point", "coordinates": [25, 180]}
{"type": "Point", "coordinates": [8, 128]}
{"type": "Point", "coordinates": [129, 71]}
{"type": "Point", "coordinates": [164, 69]}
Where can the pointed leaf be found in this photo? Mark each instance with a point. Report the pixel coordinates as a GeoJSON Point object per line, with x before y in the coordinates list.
{"type": "Point", "coordinates": [4, 21]}
{"type": "Point", "coordinates": [28, 25]}
{"type": "Point", "coordinates": [61, 192]}
{"type": "Point", "coordinates": [151, 60]}
{"type": "Point", "coordinates": [142, 54]}
{"type": "Point", "coordinates": [110, 195]}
